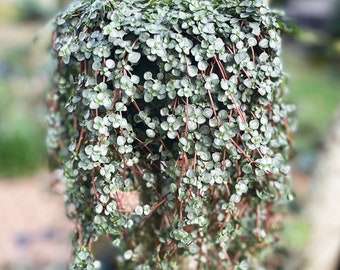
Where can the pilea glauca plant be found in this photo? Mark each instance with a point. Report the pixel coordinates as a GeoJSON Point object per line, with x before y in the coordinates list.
{"type": "Point", "coordinates": [180, 104]}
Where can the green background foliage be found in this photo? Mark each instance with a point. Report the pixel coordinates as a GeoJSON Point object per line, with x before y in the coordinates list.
{"type": "Point", "coordinates": [22, 149]}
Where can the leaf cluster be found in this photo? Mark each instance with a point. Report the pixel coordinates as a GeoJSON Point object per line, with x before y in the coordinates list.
{"type": "Point", "coordinates": [181, 102]}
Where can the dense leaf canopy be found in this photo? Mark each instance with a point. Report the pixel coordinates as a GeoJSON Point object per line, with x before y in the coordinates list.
{"type": "Point", "coordinates": [181, 102]}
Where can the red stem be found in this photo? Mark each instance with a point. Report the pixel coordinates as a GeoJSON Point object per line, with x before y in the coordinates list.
{"type": "Point", "coordinates": [241, 150]}
{"type": "Point", "coordinates": [186, 117]}
{"type": "Point", "coordinates": [213, 107]}
{"type": "Point", "coordinates": [94, 186]}
{"type": "Point", "coordinates": [224, 76]}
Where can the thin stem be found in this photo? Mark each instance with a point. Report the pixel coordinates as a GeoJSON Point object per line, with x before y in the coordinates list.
{"type": "Point", "coordinates": [186, 117]}
{"type": "Point", "coordinates": [144, 145]}
{"type": "Point", "coordinates": [136, 105]}
{"type": "Point", "coordinates": [80, 139]}
{"type": "Point", "coordinates": [241, 150]}
{"type": "Point", "coordinates": [253, 54]}
{"type": "Point", "coordinates": [213, 107]}
{"type": "Point", "coordinates": [160, 203]}
{"type": "Point", "coordinates": [134, 43]}
{"type": "Point", "coordinates": [231, 267]}
{"type": "Point", "coordinates": [224, 77]}
{"type": "Point", "coordinates": [94, 186]}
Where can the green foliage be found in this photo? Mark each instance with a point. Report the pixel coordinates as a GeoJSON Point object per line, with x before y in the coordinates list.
{"type": "Point", "coordinates": [35, 10]}
{"type": "Point", "coordinates": [21, 150]}
{"type": "Point", "coordinates": [315, 91]}
{"type": "Point", "coordinates": [181, 102]}
{"type": "Point", "coordinates": [296, 234]}
{"type": "Point", "coordinates": [335, 20]}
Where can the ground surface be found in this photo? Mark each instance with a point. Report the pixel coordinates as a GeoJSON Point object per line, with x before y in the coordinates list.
{"type": "Point", "coordinates": [35, 233]}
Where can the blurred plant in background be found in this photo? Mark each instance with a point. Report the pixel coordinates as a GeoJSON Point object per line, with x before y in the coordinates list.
{"type": "Point", "coordinates": [22, 85]}
{"type": "Point", "coordinates": [312, 59]}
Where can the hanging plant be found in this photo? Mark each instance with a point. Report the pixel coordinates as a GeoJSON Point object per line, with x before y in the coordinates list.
{"type": "Point", "coordinates": [180, 104]}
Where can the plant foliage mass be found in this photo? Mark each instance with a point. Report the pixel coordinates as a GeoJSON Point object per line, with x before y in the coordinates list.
{"type": "Point", "coordinates": [180, 102]}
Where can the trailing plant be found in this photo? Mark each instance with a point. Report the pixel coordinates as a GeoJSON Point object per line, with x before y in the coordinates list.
{"type": "Point", "coordinates": [179, 102]}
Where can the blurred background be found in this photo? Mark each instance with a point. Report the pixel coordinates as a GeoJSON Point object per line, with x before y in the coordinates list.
{"type": "Point", "coordinates": [35, 232]}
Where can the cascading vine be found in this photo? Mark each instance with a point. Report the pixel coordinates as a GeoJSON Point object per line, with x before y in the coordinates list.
{"type": "Point", "coordinates": [179, 104]}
